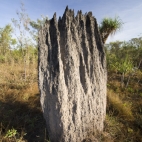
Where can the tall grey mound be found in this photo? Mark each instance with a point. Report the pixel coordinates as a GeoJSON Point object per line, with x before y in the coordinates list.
{"type": "Point", "coordinates": [72, 77]}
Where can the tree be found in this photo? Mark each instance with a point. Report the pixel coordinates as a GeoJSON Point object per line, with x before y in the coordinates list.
{"type": "Point", "coordinates": [39, 22]}
{"type": "Point", "coordinates": [109, 26]}
{"type": "Point", "coordinates": [6, 43]}
{"type": "Point", "coordinates": [24, 39]}
{"type": "Point", "coordinates": [6, 39]}
{"type": "Point", "coordinates": [36, 25]}
{"type": "Point", "coordinates": [124, 58]}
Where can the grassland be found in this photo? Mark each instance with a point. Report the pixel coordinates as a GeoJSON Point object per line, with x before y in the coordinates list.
{"type": "Point", "coordinates": [21, 118]}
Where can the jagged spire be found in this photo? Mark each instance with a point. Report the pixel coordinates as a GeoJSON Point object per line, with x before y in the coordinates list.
{"type": "Point", "coordinates": [66, 8]}
{"type": "Point", "coordinates": [89, 14]}
{"type": "Point", "coordinates": [60, 18]}
{"type": "Point", "coordinates": [54, 16]}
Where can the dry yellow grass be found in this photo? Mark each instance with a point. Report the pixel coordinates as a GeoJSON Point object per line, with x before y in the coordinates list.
{"type": "Point", "coordinates": [20, 109]}
{"type": "Point", "coordinates": [124, 115]}
{"type": "Point", "coordinates": [123, 108]}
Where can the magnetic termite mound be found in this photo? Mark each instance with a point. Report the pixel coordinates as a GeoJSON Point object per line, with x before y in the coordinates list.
{"type": "Point", "coordinates": [72, 77]}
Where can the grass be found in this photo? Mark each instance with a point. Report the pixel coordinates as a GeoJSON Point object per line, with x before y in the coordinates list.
{"type": "Point", "coordinates": [20, 110]}
{"type": "Point", "coordinates": [124, 116]}
{"type": "Point", "coordinates": [21, 118]}
{"type": "Point", "coordinates": [123, 109]}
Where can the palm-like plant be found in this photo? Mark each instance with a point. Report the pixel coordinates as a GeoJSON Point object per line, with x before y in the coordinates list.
{"type": "Point", "coordinates": [109, 26]}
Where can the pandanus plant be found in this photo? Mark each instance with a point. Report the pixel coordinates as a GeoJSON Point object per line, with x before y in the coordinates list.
{"type": "Point", "coordinates": [109, 26]}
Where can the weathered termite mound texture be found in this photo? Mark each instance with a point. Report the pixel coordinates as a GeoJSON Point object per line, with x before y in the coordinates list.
{"type": "Point", "coordinates": [72, 77]}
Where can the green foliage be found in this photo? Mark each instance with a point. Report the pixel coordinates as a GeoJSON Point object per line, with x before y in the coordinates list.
{"type": "Point", "coordinates": [6, 40]}
{"type": "Point", "coordinates": [11, 133]}
{"type": "Point", "coordinates": [127, 54]}
{"type": "Point", "coordinates": [23, 49]}
{"type": "Point", "coordinates": [122, 65]}
{"type": "Point", "coordinates": [38, 23]}
{"type": "Point", "coordinates": [124, 58]}
{"type": "Point", "coordinates": [109, 26]}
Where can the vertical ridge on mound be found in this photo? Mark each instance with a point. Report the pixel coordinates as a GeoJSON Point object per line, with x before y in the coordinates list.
{"type": "Point", "coordinates": [72, 77]}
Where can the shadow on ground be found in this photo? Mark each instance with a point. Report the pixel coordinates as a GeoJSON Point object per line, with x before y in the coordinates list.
{"type": "Point", "coordinates": [27, 119]}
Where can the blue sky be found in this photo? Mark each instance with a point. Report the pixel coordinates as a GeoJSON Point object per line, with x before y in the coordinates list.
{"type": "Point", "coordinates": [130, 11]}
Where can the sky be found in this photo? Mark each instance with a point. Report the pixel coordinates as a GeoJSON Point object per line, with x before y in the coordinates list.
{"type": "Point", "coordinates": [129, 11]}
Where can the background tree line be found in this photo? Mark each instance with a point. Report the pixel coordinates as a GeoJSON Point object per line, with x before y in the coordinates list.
{"type": "Point", "coordinates": [125, 58]}
{"type": "Point", "coordinates": [18, 44]}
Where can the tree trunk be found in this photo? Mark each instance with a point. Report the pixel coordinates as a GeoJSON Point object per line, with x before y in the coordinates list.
{"type": "Point", "coordinates": [72, 77]}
